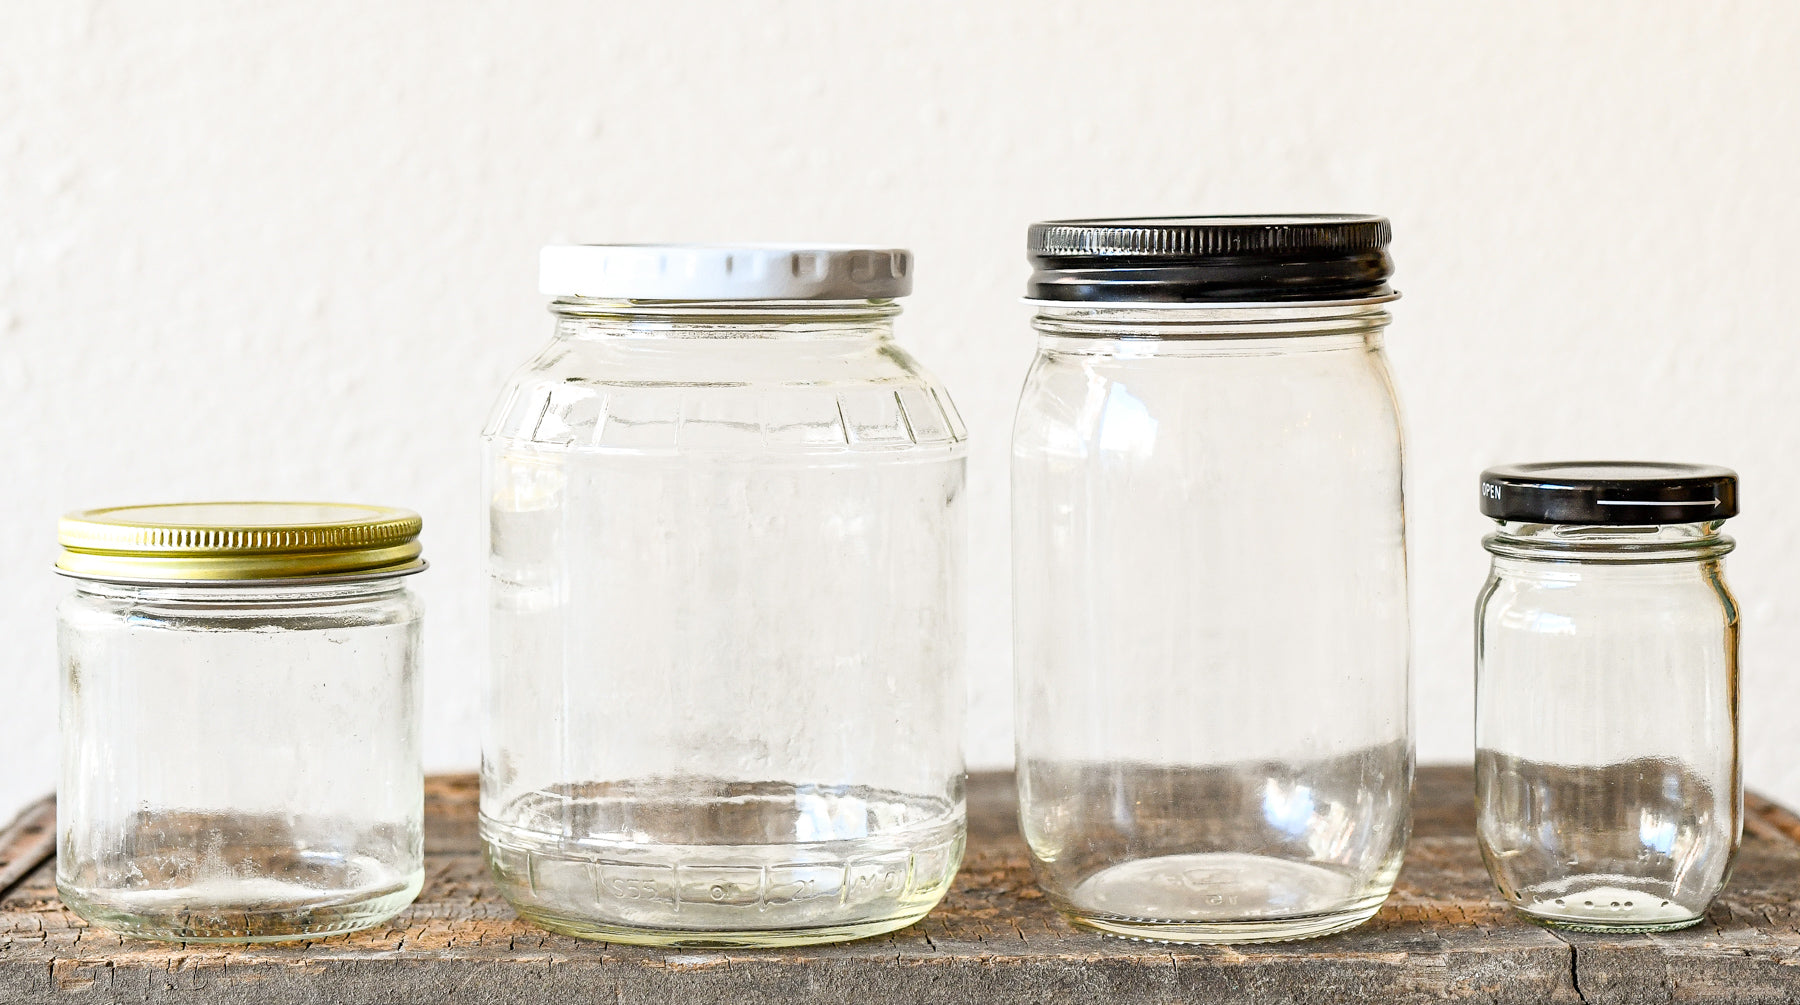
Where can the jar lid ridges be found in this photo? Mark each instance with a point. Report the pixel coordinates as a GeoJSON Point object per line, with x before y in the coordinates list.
{"type": "Point", "coordinates": [1211, 259]}
{"type": "Point", "coordinates": [238, 540]}
{"type": "Point", "coordinates": [1182, 237]}
{"type": "Point", "coordinates": [725, 272]}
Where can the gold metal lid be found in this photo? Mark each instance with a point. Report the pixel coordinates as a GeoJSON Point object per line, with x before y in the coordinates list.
{"type": "Point", "coordinates": [234, 541]}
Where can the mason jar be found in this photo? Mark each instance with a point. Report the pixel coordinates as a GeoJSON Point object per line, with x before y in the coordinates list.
{"type": "Point", "coordinates": [1211, 649]}
{"type": "Point", "coordinates": [726, 538]}
{"type": "Point", "coordinates": [1607, 784]}
{"type": "Point", "coordinates": [240, 735]}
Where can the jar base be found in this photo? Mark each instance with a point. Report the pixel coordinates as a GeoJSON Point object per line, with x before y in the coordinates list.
{"type": "Point", "coordinates": [1605, 929]}
{"type": "Point", "coordinates": [1606, 909]}
{"type": "Point", "coordinates": [1224, 933]}
{"type": "Point", "coordinates": [744, 890]}
{"type": "Point", "coordinates": [586, 928]}
{"type": "Point", "coordinates": [1223, 897]}
{"type": "Point", "coordinates": [176, 916]}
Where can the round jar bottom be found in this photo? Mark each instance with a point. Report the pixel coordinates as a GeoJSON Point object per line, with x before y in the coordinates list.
{"type": "Point", "coordinates": [783, 866]}
{"type": "Point", "coordinates": [771, 938]}
{"type": "Point", "coordinates": [1223, 898]}
{"type": "Point", "coordinates": [1603, 904]}
{"type": "Point", "coordinates": [242, 910]}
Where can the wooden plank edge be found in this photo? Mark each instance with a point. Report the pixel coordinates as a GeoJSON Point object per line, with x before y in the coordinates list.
{"type": "Point", "coordinates": [27, 842]}
{"type": "Point", "coordinates": [1768, 819]}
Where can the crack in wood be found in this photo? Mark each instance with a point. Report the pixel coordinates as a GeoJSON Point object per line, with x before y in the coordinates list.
{"type": "Point", "coordinates": [1574, 964]}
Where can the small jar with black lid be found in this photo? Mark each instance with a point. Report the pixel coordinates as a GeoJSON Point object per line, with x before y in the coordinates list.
{"type": "Point", "coordinates": [1209, 581]}
{"type": "Point", "coordinates": [1606, 667]}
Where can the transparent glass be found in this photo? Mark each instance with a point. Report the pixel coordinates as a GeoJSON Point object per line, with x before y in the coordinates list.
{"type": "Point", "coordinates": [1211, 648]}
{"type": "Point", "coordinates": [240, 763]}
{"type": "Point", "coordinates": [1606, 723]}
{"type": "Point", "coordinates": [726, 604]}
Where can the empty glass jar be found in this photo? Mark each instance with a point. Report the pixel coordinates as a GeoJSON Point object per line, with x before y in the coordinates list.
{"type": "Point", "coordinates": [726, 536]}
{"type": "Point", "coordinates": [1211, 647]}
{"type": "Point", "coordinates": [240, 736]}
{"type": "Point", "coordinates": [1606, 657]}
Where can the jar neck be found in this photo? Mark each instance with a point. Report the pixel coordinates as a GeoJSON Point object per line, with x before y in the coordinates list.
{"type": "Point", "coordinates": [587, 318]}
{"type": "Point", "coordinates": [248, 593]}
{"type": "Point", "coordinates": [1364, 320]}
{"type": "Point", "coordinates": [1674, 542]}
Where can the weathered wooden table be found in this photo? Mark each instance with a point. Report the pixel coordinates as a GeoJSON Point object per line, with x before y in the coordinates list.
{"type": "Point", "coordinates": [1442, 936]}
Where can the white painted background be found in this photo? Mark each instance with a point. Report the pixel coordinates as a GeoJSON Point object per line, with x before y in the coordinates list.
{"type": "Point", "coordinates": [289, 249]}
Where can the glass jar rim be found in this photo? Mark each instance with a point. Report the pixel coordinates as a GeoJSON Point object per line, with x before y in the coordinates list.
{"type": "Point", "coordinates": [265, 582]}
{"type": "Point", "coordinates": [1610, 543]}
{"type": "Point", "coordinates": [1235, 323]}
{"type": "Point", "coordinates": [1209, 305]}
{"type": "Point", "coordinates": [720, 309]}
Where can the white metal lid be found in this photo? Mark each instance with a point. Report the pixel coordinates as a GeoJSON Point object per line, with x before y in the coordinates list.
{"type": "Point", "coordinates": [725, 271]}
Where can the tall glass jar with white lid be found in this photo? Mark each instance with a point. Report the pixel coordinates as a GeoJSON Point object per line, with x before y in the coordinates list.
{"type": "Point", "coordinates": [1608, 790]}
{"type": "Point", "coordinates": [240, 732]}
{"type": "Point", "coordinates": [1211, 646]}
{"type": "Point", "coordinates": [726, 543]}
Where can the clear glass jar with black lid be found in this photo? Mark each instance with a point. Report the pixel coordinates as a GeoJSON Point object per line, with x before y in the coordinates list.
{"type": "Point", "coordinates": [1211, 644]}
{"type": "Point", "coordinates": [1606, 664]}
{"type": "Point", "coordinates": [240, 719]}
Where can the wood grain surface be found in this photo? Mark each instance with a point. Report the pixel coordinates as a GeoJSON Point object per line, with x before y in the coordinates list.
{"type": "Point", "coordinates": [1442, 936]}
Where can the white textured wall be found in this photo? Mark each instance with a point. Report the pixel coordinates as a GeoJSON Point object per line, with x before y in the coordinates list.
{"type": "Point", "coordinates": [288, 249]}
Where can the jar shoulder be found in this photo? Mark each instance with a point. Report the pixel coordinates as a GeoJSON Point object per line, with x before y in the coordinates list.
{"type": "Point", "coordinates": [725, 394]}
{"type": "Point", "coordinates": [1085, 402]}
{"type": "Point", "coordinates": [704, 362]}
{"type": "Point", "coordinates": [1629, 597]}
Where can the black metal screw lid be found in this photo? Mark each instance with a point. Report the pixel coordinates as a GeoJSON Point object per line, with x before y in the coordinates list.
{"type": "Point", "coordinates": [1615, 493]}
{"type": "Point", "coordinates": [1211, 259]}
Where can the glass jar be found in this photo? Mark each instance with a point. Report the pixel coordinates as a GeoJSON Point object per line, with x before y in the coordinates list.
{"type": "Point", "coordinates": [1606, 693]}
{"type": "Point", "coordinates": [240, 739]}
{"type": "Point", "coordinates": [726, 545]}
{"type": "Point", "coordinates": [1211, 648]}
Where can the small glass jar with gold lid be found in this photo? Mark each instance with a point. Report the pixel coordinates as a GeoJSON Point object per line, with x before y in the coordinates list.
{"type": "Point", "coordinates": [240, 738]}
